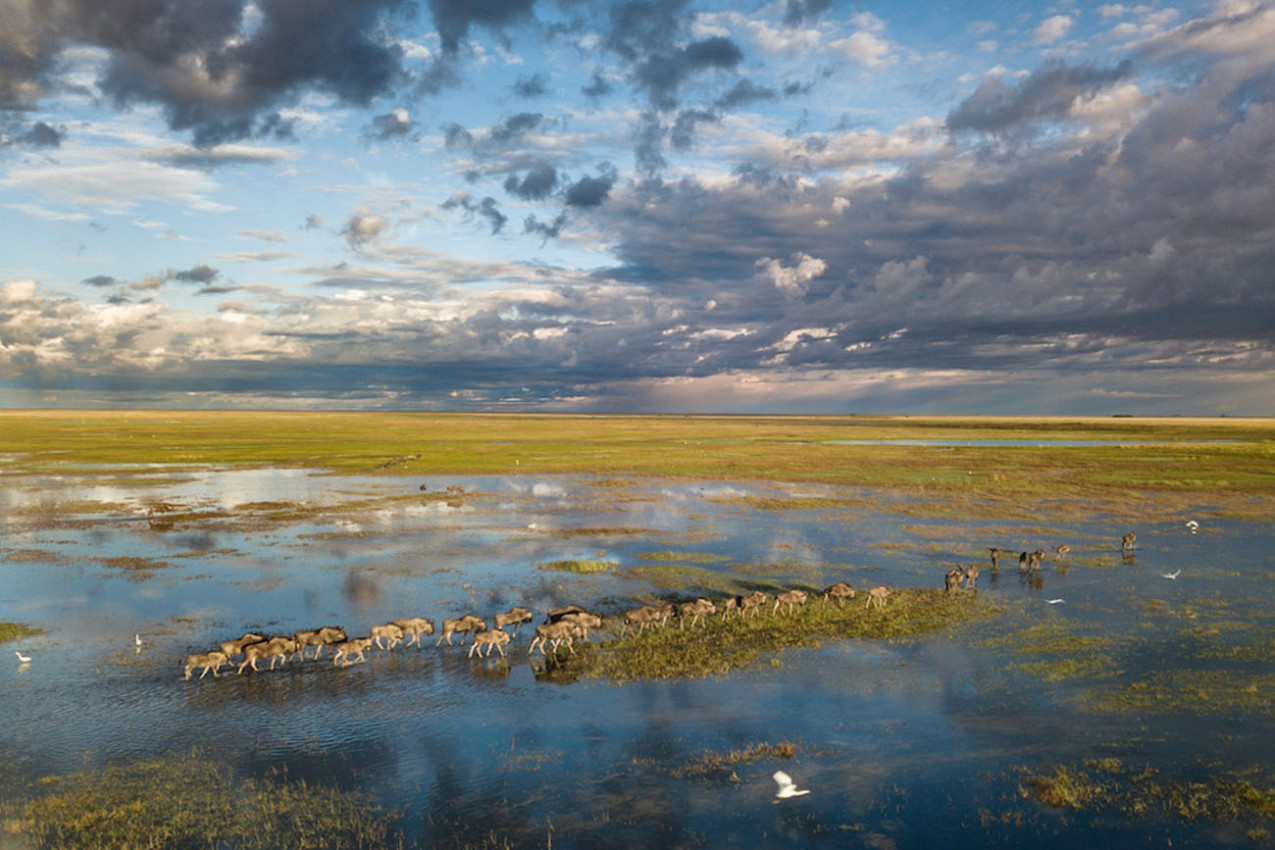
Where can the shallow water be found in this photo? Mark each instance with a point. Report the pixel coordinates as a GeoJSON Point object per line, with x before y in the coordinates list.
{"type": "Point", "coordinates": [901, 743]}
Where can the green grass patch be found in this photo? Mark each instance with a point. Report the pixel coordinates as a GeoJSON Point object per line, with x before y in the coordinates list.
{"type": "Point", "coordinates": [577, 565]}
{"type": "Point", "coordinates": [189, 800]}
{"type": "Point", "coordinates": [719, 646]}
{"type": "Point", "coordinates": [1107, 785]}
{"type": "Point", "coordinates": [722, 765]}
{"type": "Point", "coordinates": [17, 631]}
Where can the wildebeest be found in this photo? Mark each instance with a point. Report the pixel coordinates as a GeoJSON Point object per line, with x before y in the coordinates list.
{"type": "Point", "coordinates": [877, 596]}
{"type": "Point", "coordinates": [555, 633]}
{"type": "Point", "coordinates": [558, 613]}
{"type": "Point", "coordinates": [513, 617]}
{"type": "Point", "coordinates": [971, 576]}
{"type": "Point", "coordinates": [1128, 540]}
{"type": "Point", "coordinates": [752, 602]}
{"type": "Point", "coordinates": [208, 660]}
{"type": "Point", "coordinates": [584, 620]}
{"type": "Point", "coordinates": [791, 598]}
{"type": "Point", "coordinates": [641, 617]}
{"type": "Point", "coordinates": [319, 638]}
{"type": "Point", "coordinates": [415, 627]}
{"type": "Point", "coordinates": [490, 637]}
{"type": "Point", "coordinates": [235, 647]}
{"type": "Point", "coordinates": [461, 625]}
{"type": "Point", "coordinates": [389, 632]}
{"type": "Point", "coordinates": [839, 591]}
{"type": "Point", "coordinates": [276, 648]}
{"type": "Point", "coordinates": [349, 648]}
{"type": "Point", "coordinates": [996, 557]}
{"type": "Point", "coordinates": [696, 610]}
{"type": "Point", "coordinates": [952, 581]}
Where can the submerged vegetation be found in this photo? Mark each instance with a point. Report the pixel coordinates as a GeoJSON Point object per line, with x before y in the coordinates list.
{"type": "Point", "coordinates": [717, 646]}
{"type": "Point", "coordinates": [190, 800]}
{"type": "Point", "coordinates": [1109, 786]}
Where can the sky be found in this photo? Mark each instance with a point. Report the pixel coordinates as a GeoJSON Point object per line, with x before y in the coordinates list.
{"type": "Point", "coordinates": [804, 206]}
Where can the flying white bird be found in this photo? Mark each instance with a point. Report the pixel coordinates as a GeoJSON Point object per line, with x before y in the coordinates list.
{"type": "Point", "coordinates": [1173, 575]}
{"type": "Point", "coordinates": [1193, 525]}
{"type": "Point", "coordinates": [24, 659]}
{"type": "Point", "coordinates": [1054, 601]}
{"type": "Point", "coordinates": [787, 788]}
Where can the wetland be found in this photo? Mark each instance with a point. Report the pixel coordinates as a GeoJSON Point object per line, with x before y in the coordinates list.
{"type": "Point", "coordinates": [1095, 700]}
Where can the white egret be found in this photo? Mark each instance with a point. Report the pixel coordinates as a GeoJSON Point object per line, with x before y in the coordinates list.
{"type": "Point", "coordinates": [24, 659]}
{"type": "Point", "coordinates": [787, 788]}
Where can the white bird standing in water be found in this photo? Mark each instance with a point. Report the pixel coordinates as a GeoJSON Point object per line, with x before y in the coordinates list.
{"type": "Point", "coordinates": [1054, 601]}
{"type": "Point", "coordinates": [22, 659]}
{"type": "Point", "coordinates": [137, 640]}
{"type": "Point", "coordinates": [787, 788]}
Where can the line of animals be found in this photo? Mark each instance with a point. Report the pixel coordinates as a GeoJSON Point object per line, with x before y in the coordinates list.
{"type": "Point", "coordinates": [1027, 562]}
{"type": "Point", "coordinates": [562, 626]}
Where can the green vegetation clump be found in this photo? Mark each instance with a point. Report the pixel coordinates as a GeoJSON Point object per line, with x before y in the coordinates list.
{"type": "Point", "coordinates": [715, 646]}
{"type": "Point", "coordinates": [16, 631]}
{"type": "Point", "coordinates": [1107, 785]}
{"type": "Point", "coordinates": [720, 765]}
{"type": "Point", "coordinates": [188, 801]}
{"type": "Point", "coordinates": [578, 565]}
{"type": "Point", "coordinates": [1056, 651]}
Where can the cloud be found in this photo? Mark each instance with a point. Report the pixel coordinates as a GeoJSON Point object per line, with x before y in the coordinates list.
{"type": "Point", "coordinates": [486, 208]}
{"type": "Point", "coordinates": [801, 13]}
{"type": "Point", "coordinates": [538, 183]}
{"type": "Point", "coordinates": [392, 125]}
{"type": "Point", "coordinates": [1048, 93]}
{"type": "Point", "coordinates": [1053, 29]}
{"type": "Point", "coordinates": [222, 70]}
{"type": "Point", "coordinates": [535, 85]}
{"type": "Point", "coordinates": [38, 135]}
{"type": "Point", "coordinates": [116, 186]}
{"type": "Point", "coordinates": [363, 227]}
{"type": "Point", "coordinates": [454, 18]}
{"type": "Point", "coordinates": [791, 280]}
{"type": "Point", "coordinates": [590, 191]}
{"type": "Point", "coordinates": [199, 273]}
{"type": "Point", "coordinates": [744, 92]}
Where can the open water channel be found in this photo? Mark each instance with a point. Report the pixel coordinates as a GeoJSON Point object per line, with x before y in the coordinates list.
{"type": "Point", "coordinates": [925, 742]}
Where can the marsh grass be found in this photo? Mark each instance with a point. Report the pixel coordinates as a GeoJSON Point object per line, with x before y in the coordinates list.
{"type": "Point", "coordinates": [1108, 785]}
{"type": "Point", "coordinates": [1234, 472]}
{"type": "Point", "coordinates": [190, 800]}
{"type": "Point", "coordinates": [713, 765]}
{"type": "Point", "coordinates": [578, 565]}
{"type": "Point", "coordinates": [17, 631]}
{"type": "Point", "coordinates": [719, 646]}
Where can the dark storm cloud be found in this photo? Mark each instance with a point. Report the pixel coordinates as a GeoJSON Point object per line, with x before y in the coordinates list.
{"type": "Point", "coordinates": [536, 185]}
{"type": "Point", "coordinates": [396, 124]}
{"type": "Point", "coordinates": [597, 87]}
{"type": "Point", "coordinates": [648, 144]}
{"type": "Point", "coordinates": [590, 191]}
{"type": "Point", "coordinates": [650, 38]}
{"type": "Point", "coordinates": [454, 18]}
{"type": "Point", "coordinates": [100, 280]}
{"type": "Point", "coordinates": [199, 273]}
{"type": "Point", "coordinates": [800, 13]}
{"type": "Point", "coordinates": [511, 130]}
{"type": "Point", "coordinates": [1047, 94]}
{"type": "Point", "coordinates": [682, 136]}
{"type": "Point", "coordinates": [486, 208]}
{"type": "Point", "coordinates": [505, 134]}
{"type": "Point", "coordinates": [534, 86]}
{"type": "Point", "coordinates": [38, 135]}
{"type": "Point", "coordinates": [546, 231]}
{"type": "Point", "coordinates": [744, 92]}
{"type": "Point", "coordinates": [212, 76]}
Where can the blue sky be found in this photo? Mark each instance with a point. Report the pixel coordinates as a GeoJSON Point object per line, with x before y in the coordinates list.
{"type": "Point", "coordinates": [802, 206]}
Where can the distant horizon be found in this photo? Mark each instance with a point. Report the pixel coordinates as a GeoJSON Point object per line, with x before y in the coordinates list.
{"type": "Point", "coordinates": [671, 206]}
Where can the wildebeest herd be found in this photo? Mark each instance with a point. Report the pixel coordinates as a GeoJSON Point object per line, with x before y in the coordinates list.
{"type": "Point", "coordinates": [1028, 562]}
{"type": "Point", "coordinates": [562, 626]}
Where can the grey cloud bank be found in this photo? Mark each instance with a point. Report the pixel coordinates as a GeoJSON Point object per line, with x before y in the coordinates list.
{"type": "Point", "coordinates": [1087, 235]}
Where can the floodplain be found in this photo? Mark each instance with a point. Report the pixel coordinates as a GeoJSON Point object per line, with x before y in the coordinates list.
{"type": "Point", "coordinates": [1113, 696]}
